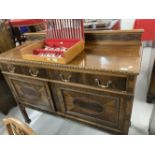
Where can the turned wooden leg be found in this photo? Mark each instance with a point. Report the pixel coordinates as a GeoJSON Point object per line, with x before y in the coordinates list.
{"type": "Point", "coordinates": [24, 113]}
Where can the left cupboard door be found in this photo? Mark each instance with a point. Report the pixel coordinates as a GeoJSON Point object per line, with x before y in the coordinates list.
{"type": "Point", "coordinates": [31, 92]}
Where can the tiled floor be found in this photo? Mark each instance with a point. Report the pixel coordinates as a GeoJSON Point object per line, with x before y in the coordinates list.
{"type": "Point", "coordinates": [46, 124]}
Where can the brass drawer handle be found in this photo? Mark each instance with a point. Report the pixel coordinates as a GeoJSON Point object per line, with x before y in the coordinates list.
{"type": "Point", "coordinates": [63, 79]}
{"type": "Point", "coordinates": [33, 72]}
{"type": "Point", "coordinates": [103, 86]}
{"type": "Point", "coordinates": [11, 68]}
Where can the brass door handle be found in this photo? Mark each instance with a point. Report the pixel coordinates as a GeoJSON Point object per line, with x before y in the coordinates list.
{"type": "Point", "coordinates": [103, 86]}
{"type": "Point", "coordinates": [63, 79]}
{"type": "Point", "coordinates": [11, 68]}
{"type": "Point", "coordinates": [33, 72]}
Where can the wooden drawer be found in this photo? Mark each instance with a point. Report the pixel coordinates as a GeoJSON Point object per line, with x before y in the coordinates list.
{"type": "Point", "coordinates": [101, 81]}
{"type": "Point", "coordinates": [30, 71]}
{"type": "Point", "coordinates": [106, 82]}
{"type": "Point", "coordinates": [95, 80]}
{"type": "Point", "coordinates": [12, 68]}
{"type": "Point", "coordinates": [35, 72]}
{"type": "Point", "coordinates": [31, 92]}
{"type": "Point", "coordinates": [94, 106]}
{"type": "Point", "coordinates": [65, 76]}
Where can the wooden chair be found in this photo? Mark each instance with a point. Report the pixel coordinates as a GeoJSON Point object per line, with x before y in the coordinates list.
{"type": "Point", "coordinates": [15, 127]}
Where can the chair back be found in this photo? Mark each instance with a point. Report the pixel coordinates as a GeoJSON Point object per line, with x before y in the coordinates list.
{"type": "Point", "coordinates": [16, 127]}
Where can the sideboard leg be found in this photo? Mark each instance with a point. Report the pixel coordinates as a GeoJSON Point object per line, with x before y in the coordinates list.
{"type": "Point", "coordinates": [24, 113]}
{"type": "Point", "coordinates": [150, 98]}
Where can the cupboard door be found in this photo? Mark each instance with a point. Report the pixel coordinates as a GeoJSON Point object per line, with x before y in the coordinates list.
{"type": "Point", "coordinates": [95, 106]}
{"type": "Point", "coordinates": [32, 92]}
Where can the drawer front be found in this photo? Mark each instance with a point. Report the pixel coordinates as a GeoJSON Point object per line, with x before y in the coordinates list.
{"type": "Point", "coordinates": [101, 81]}
{"type": "Point", "coordinates": [106, 82]}
{"type": "Point", "coordinates": [12, 68]}
{"type": "Point", "coordinates": [32, 92]}
{"type": "Point", "coordinates": [65, 76]}
{"type": "Point", "coordinates": [34, 72]}
{"type": "Point", "coordinates": [94, 106]}
{"type": "Point", "coordinates": [30, 71]}
{"type": "Point", "coordinates": [94, 80]}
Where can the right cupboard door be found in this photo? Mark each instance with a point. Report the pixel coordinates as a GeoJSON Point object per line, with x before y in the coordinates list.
{"type": "Point", "coordinates": [100, 107]}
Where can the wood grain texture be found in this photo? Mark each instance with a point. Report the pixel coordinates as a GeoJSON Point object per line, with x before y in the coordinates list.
{"type": "Point", "coordinates": [32, 92]}
{"type": "Point", "coordinates": [110, 58]}
{"type": "Point", "coordinates": [6, 43]}
{"type": "Point", "coordinates": [90, 105]}
{"type": "Point", "coordinates": [80, 90]}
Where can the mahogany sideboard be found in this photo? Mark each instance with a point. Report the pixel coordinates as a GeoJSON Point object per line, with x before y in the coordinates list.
{"type": "Point", "coordinates": [96, 88]}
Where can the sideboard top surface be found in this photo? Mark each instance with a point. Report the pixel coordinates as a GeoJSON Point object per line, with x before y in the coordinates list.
{"type": "Point", "coordinates": [123, 57]}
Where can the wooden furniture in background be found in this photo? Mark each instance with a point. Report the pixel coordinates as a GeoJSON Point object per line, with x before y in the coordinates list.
{"type": "Point", "coordinates": [16, 127]}
{"type": "Point", "coordinates": [113, 25]}
{"type": "Point", "coordinates": [104, 24]}
{"type": "Point", "coordinates": [6, 41]}
{"type": "Point", "coordinates": [96, 88]}
{"type": "Point", "coordinates": [6, 97]}
{"type": "Point", "coordinates": [33, 25]}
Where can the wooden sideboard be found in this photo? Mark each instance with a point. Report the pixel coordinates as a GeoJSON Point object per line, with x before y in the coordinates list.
{"type": "Point", "coordinates": [96, 88]}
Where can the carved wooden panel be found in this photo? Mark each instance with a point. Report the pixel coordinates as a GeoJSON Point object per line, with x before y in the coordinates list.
{"type": "Point", "coordinates": [33, 92]}
{"type": "Point", "coordinates": [96, 106]}
{"type": "Point", "coordinates": [112, 37]}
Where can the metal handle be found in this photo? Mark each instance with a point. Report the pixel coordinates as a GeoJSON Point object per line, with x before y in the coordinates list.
{"type": "Point", "coordinates": [63, 79]}
{"type": "Point", "coordinates": [103, 86]}
{"type": "Point", "coordinates": [33, 72]}
{"type": "Point", "coordinates": [11, 68]}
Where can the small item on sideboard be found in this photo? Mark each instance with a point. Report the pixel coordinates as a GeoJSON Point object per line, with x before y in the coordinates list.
{"type": "Point", "coordinates": [64, 41]}
{"type": "Point", "coordinates": [52, 51]}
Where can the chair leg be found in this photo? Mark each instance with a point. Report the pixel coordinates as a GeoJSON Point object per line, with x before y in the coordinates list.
{"type": "Point", "coordinates": [24, 113]}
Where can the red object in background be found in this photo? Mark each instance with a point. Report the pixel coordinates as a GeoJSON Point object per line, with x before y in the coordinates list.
{"type": "Point", "coordinates": [149, 28]}
{"type": "Point", "coordinates": [117, 26]}
{"type": "Point", "coordinates": [25, 22]}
